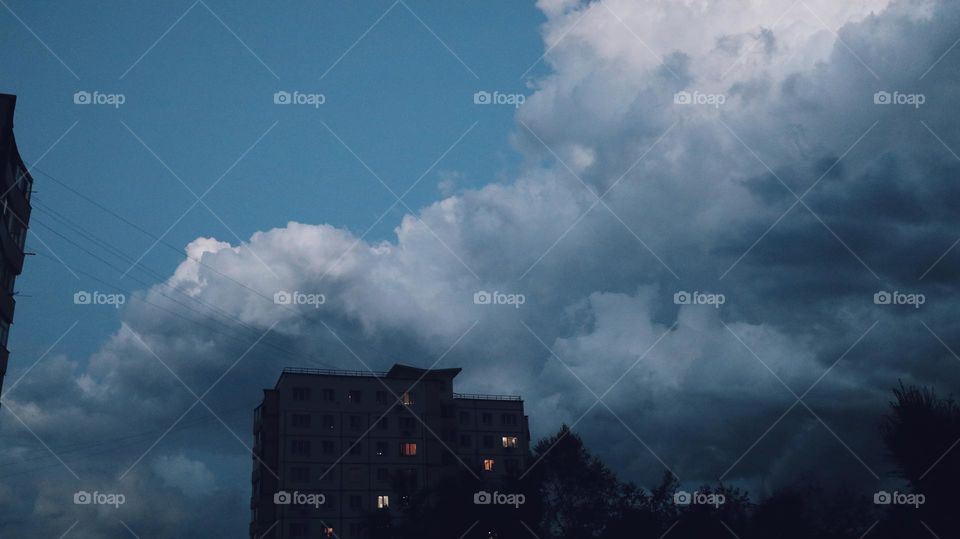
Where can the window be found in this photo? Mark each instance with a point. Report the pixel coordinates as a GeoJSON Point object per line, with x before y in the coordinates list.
{"type": "Point", "coordinates": [488, 465]}
{"type": "Point", "coordinates": [300, 447]}
{"type": "Point", "coordinates": [328, 532]}
{"type": "Point", "coordinates": [328, 422]}
{"type": "Point", "coordinates": [446, 411]}
{"type": "Point", "coordinates": [356, 449]}
{"type": "Point", "coordinates": [486, 418]}
{"type": "Point", "coordinates": [355, 529]}
{"type": "Point", "coordinates": [383, 474]}
{"type": "Point", "coordinates": [488, 441]}
{"type": "Point", "coordinates": [327, 447]}
{"type": "Point", "coordinates": [407, 398]}
{"type": "Point", "coordinates": [508, 419]}
{"type": "Point", "coordinates": [353, 396]}
{"type": "Point", "coordinates": [355, 422]}
{"type": "Point", "coordinates": [407, 423]}
{"type": "Point", "coordinates": [509, 441]}
{"type": "Point", "coordinates": [384, 423]}
{"type": "Point", "coordinates": [301, 393]}
{"type": "Point", "coordinates": [297, 529]}
{"type": "Point", "coordinates": [410, 477]}
{"type": "Point", "coordinates": [356, 502]}
{"type": "Point", "coordinates": [299, 474]}
{"type": "Point", "coordinates": [464, 440]}
{"type": "Point", "coordinates": [381, 397]}
{"type": "Point", "coordinates": [329, 396]}
{"type": "Point", "coordinates": [512, 465]}
{"type": "Point", "coordinates": [464, 418]}
{"type": "Point", "coordinates": [381, 449]}
{"type": "Point", "coordinates": [354, 475]}
{"type": "Point", "coordinates": [300, 420]}
{"type": "Point", "coordinates": [383, 502]}
{"type": "Point", "coordinates": [408, 449]}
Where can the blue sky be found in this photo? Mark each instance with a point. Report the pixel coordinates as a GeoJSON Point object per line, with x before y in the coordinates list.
{"type": "Point", "coordinates": [199, 99]}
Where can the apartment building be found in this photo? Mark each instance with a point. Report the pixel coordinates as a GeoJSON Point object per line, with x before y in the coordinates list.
{"type": "Point", "coordinates": [15, 187]}
{"type": "Point", "coordinates": [334, 447]}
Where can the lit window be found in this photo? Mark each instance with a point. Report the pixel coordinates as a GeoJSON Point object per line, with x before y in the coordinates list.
{"type": "Point", "coordinates": [328, 532]}
{"type": "Point", "coordinates": [406, 398]}
{"type": "Point", "coordinates": [383, 502]}
{"type": "Point", "coordinates": [488, 465]}
{"type": "Point", "coordinates": [509, 441]}
{"type": "Point", "coordinates": [353, 396]}
{"type": "Point", "coordinates": [408, 449]}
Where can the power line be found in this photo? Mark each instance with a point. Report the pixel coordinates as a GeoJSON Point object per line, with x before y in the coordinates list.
{"type": "Point", "coordinates": [162, 282]}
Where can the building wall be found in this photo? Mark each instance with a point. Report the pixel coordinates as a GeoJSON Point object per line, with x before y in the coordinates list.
{"type": "Point", "coordinates": [15, 186]}
{"type": "Point", "coordinates": [341, 435]}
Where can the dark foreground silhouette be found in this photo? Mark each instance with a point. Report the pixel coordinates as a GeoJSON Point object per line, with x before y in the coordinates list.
{"type": "Point", "coordinates": [570, 494]}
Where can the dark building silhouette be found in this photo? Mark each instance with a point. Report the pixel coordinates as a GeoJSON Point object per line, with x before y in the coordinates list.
{"type": "Point", "coordinates": [15, 198]}
{"type": "Point", "coordinates": [364, 440]}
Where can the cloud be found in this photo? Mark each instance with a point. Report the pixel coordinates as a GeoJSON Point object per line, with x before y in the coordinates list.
{"type": "Point", "coordinates": [694, 198]}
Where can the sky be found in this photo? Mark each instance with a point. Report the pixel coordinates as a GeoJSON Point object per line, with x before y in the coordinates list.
{"type": "Point", "coordinates": [718, 232]}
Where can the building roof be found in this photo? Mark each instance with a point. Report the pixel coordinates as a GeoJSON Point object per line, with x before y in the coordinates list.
{"type": "Point", "coordinates": [406, 371]}
{"type": "Point", "coordinates": [397, 371]}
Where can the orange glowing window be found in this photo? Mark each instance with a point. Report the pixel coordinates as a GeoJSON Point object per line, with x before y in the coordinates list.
{"type": "Point", "coordinates": [488, 465]}
{"type": "Point", "coordinates": [408, 449]}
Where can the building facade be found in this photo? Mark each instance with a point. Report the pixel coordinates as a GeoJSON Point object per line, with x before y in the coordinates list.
{"type": "Point", "coordinates": [15, 199]}
{"type": "Point", "coordinates": [334, 447]}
